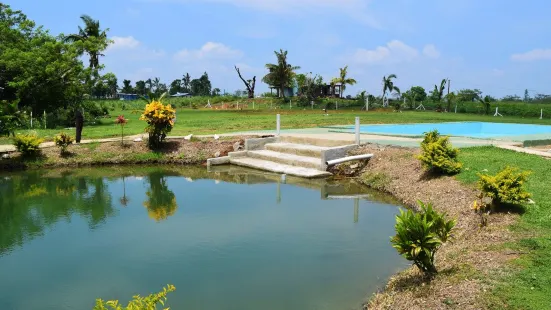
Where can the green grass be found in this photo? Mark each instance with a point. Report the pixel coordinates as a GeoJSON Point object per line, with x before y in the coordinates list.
{"type": "Point", "coordinates": [529, 285]}
{"type": "Point", "coordinates": [224, 121]}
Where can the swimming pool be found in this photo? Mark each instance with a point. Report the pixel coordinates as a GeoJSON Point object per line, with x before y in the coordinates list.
{"type": "Point", "coordinates": [463, 129]}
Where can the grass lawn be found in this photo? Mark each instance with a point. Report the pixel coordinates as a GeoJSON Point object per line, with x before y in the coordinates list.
{"type": "Point", "coordinates": [206, 121]}
{"type": "Point", "coordinates": [528, 286]}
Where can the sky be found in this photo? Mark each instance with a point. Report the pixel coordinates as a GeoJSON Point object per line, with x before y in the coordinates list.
{"type": "Point", "coordinates": [499, 46]}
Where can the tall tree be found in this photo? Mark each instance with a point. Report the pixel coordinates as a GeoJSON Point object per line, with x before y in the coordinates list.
{"type": "Point", "coordinates": [216, 92]}
{"type": "Point", "coordinates": [175, 87]}
{"type": "Point", "coordinates": [250, 84]}
{"type": "Point", "coordinates": [93, 40]}
{"type": "Point", "coordinates": [486, 103]}
{"type": "Point", "coordinates": [280, 74]}
{"type": "Point", "coordinates": [186, 83]}
{"type": "Point", "coordinates": [388, 85]}
{"type": "Point", "coordinates": [127, 87]}
{"type": "Point", "coordinates": [344, 80]}
{"type": "Point", "coordinates": [201, 86]}
{"type": "Point", "coordinates": [111, 84]}
{"type": "Point", "coordinates": [527, 96]}
{"type": "Point", "coordinates": [148, 86]}
{"type": "Point", "coordinates": [469, 95]}
{"type": "Point", "coordinates": [140, 88]}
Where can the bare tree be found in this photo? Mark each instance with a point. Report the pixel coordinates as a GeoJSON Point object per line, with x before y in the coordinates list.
{"type": "Point", "coordinates": [250, 84]}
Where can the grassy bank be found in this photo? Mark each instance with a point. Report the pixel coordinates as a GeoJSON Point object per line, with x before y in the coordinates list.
{"type": "Point", "coordinates": [207, 121]}
{"type": "Point", "coordinates": [505, 265]}
{"type": "Point", "coordinates": [527, 284]}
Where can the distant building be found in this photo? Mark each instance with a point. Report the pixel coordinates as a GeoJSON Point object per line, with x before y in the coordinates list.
{"type": "Point", "coordinates": [123, 96]}
{"type": "Point", "coordinates": [181, 95]}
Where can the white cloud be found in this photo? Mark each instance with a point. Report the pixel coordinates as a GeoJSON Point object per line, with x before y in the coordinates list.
{"type": "Point", "coordinates": [394, 52]}
{"type": "Point", "coordinates": [430, 51]}
{"type": "Point", "coordinates": [533, 55]}
{"type": "Point", "coordinates": [209, 51]}
{"type": "Point", "coordinates": [124, 43]}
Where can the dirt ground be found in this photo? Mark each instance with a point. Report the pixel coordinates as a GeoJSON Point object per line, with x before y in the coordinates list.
{"type": "Point", "coordinates": [466, 264]}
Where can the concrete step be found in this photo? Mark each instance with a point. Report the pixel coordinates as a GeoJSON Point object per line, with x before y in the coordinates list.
{"type": "Point", "coordinates": [278, 168]}
{"type": "Point", "coordinates": [296, 149]}
{"type": "Point", "coordinates": [287, 159]}
{"type": "Point", "coordinates": [318, 141]}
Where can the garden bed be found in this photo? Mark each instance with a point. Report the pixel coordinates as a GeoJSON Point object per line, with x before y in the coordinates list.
{"type": "Point", "coordinates": [173, 151]}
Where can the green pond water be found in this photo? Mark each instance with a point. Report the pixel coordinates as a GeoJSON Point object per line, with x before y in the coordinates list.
{"type": "Point", "coordinates": [227, 239]}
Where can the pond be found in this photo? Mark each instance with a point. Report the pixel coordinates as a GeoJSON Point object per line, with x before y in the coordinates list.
{"type": "Point", "coordinates": [227, 239]}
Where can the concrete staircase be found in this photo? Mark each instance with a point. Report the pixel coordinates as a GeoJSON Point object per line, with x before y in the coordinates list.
{"type": "Point", "coordinates": [287, 155]}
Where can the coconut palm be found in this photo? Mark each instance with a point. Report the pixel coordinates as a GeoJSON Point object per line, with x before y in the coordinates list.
{"type": "Point", "coordinates": [280, 74]}
{"type": "Point", "coordinates": [438, 92]}
{"type": "Point", "coordinates": [93, 39]}
{"type": "Point", "coordinates": [388, 85]}
{"type": "Point", "coordinates": [343, 80]}
{"type": "Point", "coordinates": [486, 103]}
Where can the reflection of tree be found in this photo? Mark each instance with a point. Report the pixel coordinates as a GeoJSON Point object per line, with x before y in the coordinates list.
{"type": "Point", "coordinates": [124, 200]}
{"type": "Point", "coordinates": [161, 202]}
{"type": "Point", "coordinates": [30, 203]}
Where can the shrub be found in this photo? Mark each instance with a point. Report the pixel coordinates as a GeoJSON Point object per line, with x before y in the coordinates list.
{"type": "Point", "coordinates": [438, 155]}
{"type": "Point", "coordinates": [160, 120]}
{"type": "Point", "coordinates": [28, 145]}
{"type": "Point", "coordinates": [137, 303]}
{"type": "Point", "coordinates": [63, 141]}
{"type": "Point", "coordinates": [506, 186]}
{"type": "Point", "coordinates": [419, 235]}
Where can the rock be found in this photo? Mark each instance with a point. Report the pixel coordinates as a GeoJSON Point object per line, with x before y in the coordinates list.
{"type": "Point", "coordinates": [237, 146]}
{"type": "Point", "coordinates": [354, 166]}
{"type": "Point", "coordinates": [5, 156]}
{"type": "Point", "coordinates": [217, 154]}
{"type": "Point", "coordinates": [530, 201]}
{"type": "Point", "coordinates": [138, 140]}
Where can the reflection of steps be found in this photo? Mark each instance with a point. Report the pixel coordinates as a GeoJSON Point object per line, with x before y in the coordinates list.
{"type": "Point", "coordinates": [287, 155]}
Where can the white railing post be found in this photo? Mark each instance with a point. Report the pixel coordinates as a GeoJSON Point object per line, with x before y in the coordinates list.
{"type": "Point", "coordinates": [541, 115]}
{"type": "Point", "coordinates": [367, 104]}
{"type": "Point", "coordinates": [357, 130]}
{"type": "Point", "coordinates": [31, 119]}
{"type": "Point", "coordinates": [278, 124]}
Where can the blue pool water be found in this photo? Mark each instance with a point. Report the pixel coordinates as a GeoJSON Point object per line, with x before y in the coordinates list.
{"type": "Point", "coordinates": [464, 129]}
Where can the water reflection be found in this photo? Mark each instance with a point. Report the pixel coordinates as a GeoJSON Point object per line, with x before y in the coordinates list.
{"type": "Point", "coordinates": [161, 202]}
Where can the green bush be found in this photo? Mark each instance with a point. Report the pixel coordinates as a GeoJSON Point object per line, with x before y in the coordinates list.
{"type": "Point", "coordinates": [63, 141]}
{"type": "Point", "coordinates": [507, 186]}
{"type": "Point", "coordinates": [419, 235]}
{"type": "Point", "coordinates": [438, 155]}
{"type": "Point", "coordinates": [28, 145]}
{"type": "Point", "coordinates": [137, 303]}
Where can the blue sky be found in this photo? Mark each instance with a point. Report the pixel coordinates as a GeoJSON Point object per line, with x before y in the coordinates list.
{"type": "Point", "coordinates": [499, 46]}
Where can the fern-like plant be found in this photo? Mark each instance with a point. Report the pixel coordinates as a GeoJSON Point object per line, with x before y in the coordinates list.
{"type": "Point", "coordinates": [507, 186]}
{"type": "Point", "coordinates": [438, 155]}
{"type": "Point", "coordinates": [137, 303]}
{"type": "Point", "coordinates": [419, 235]}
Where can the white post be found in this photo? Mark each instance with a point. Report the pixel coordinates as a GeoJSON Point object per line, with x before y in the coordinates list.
{"type": "Point", "coordinates": [456, 107]}
{"type": "Point", "coordinates": [290, 104]}
{"type": "Point", "coordinates": [312, 103]}
{"type": "Point", "coordinates": [367, 104]}
{"type": "Point", "coordinates": [278, 124]}
{"type": "Point", "coordinates": [541, 115]}
{"type": "Point", "coordinates": [357, 130]}
{"type": "Point", "coordinates": [45, 119]}
{"type": "Point", "coordinates": [31, 119]}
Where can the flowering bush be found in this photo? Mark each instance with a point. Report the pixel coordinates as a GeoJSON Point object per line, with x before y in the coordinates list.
{"type": "Point", "coordinates": [160, 120]}
{"type": "Point", "coordinates": [121, 121]}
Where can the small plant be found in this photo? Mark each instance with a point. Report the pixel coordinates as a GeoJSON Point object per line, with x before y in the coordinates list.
{"type": "Point", "coordinates": [160, 120]}
{"type": "Point", "coordinates": [121, 121]}
{"type": "Point", "coordinates": [507, 186]}
{"type": "Point", "coordinates": [419, 235]}
{"type": "Point", "coordinates": [137, 303]}
{"type": "Point", "coordinates": [63, 141]}
{"type": "Point", "coordinates": [480, 207]}
{"type": "Point", "coordinates": [438, 155]}
{"type": "Point", "coordinates": [28, 145]}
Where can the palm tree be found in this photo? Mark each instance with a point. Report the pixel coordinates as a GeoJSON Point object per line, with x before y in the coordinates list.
{"type": "Point", "coordinates": [343, 80]}
{"type": "Point", "coordinates": [388, 85]}
{"type": "Point", "coordinates": [149, 85]}
{"type": "Point", "coordinates": [486, 102]}
{"type": "Point", "coordinates": [438, 93]}
{"type": "Point", "coordinates": [93, 38]}
{"type": "Point", "coordinates": [280, 74]}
